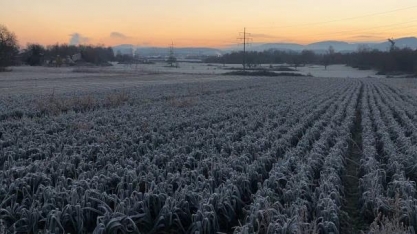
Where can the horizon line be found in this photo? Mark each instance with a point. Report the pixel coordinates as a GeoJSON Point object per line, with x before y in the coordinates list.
{"type": "Point", "coordinates": [218, 46]}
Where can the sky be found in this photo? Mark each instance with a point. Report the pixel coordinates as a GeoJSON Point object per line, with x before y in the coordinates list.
{"type": "Point", "coordinates": [206, 23]}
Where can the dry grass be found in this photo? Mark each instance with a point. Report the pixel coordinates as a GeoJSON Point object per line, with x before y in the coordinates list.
{"type": "Point", "coordinates": [305, 226]}
{"type": "Point", "coordinates": [144, 126]}
{"type": "Point", "coordinates": [182, 102]}
{"type": "Point", "coordinates": [82, 126]}
{"type": "Point", "coordinates": [116, 99]}
{"type": "Point", "coordinates": [392, 223]}
{"type": "Point", "coordinates": [386, 225]}
{"type": "Point", "coordinates": [55, 105]}
{"type": "Point", "coordinates": [108, 136]}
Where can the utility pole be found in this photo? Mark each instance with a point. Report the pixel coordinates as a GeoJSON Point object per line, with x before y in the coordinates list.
{"type": "Point", "coordinates": [245, 39]}
{"type": "Point", "coordinates": [171, 49]}
{"type": "Point", "coordinates": [171, 58]}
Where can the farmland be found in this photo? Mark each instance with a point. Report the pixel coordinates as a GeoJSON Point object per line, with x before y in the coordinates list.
{"type": "Point", "coordinates": [208, 154]}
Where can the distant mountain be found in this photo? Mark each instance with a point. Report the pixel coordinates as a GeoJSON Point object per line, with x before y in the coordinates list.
{"type": "Point", "coordinates": [164, 51]}
{"type": "Point", "coordinates": [180, 51]}
{"type": "Point", "coordinates": [282, 46]}
{"type": "Point", "coordinates": [318, 47]}
{"type": "Point", "coordinates": [339, 46]}
{"type": "Point", "coordinates": [410, 42]}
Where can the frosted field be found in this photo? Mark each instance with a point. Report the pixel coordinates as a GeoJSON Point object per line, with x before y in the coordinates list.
{"type": "Point", "coordinates": [44, 80]}
{"type": "Point", "coordinates": [152, 150]}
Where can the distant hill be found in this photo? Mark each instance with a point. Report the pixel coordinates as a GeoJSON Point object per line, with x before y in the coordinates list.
{"type": "Point", "coordinates": [164, 51]}
{"type": "Point", "coordinates": [339, 46]}
{"type": "Point", "coordinates": [318, 47]}
{"type": "Point", "coordinates": [282, 46]}
{"type": "Point", "coordinates": [410, 42]}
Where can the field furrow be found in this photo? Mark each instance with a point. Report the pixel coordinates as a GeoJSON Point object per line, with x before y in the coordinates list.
{"type": "Point", "coordinates": [253, 155]}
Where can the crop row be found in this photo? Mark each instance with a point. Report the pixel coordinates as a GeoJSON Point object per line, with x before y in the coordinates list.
{"type": "Point", "coordinates": [388, 164]}
{"type": "Point", "coordinates": [266, 155]}
{"type": "Point", "coordinates": [151, 165]}
{"type": "Point", "coordinates": [304, 191]}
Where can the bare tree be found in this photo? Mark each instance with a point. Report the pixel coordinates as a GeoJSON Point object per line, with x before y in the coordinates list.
{"type": "Point", "coordinates": [328, 57]}
{"type": "Point", "coordinates": [36, 54]}
{"type": "Point", "coordinates": [8, 48]}
{"type": "Point", "coordinates": [307, 56]}
{"type": "Point", "coordinates": [392, 42]}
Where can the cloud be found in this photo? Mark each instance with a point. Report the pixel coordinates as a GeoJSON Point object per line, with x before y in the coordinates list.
{"type": "Point", "coordinates": [77, 39]}
{"type": "Point", "coordinates": [144, 44]}
{"type": "Point", "coordinates": [261, 35]}
{"type": "Point", "coordinates": [118, 35]}
{"type": "Point", "coordinates": [366, 36]}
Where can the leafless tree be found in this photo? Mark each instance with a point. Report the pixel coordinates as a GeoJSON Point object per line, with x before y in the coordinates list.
{"type": "Point", "coordinates": [392, 42]}
{"type": "Point", "coordinates": [8, 48]}
{"type": "Point", "coordinates": [328, 57]}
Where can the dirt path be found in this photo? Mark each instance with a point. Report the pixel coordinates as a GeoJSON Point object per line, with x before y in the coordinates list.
{"type": "Point", "coordinates": [354, 223]}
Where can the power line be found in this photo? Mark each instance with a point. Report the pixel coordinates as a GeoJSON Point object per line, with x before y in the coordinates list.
{"type": "Point", "coordinates": [245, 38]}
{"type": "Point", "coordinates": [367, 29]}
{"type": "Point", "coordinates": [171, 58]}
{"type": "Point", "coordinates": [339, 20]}
{"type": "Point", "coordinates": [392, 27]}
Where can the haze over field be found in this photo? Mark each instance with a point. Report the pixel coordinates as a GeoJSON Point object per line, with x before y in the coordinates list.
{"type": "Point", "coordinates": [213, 23]}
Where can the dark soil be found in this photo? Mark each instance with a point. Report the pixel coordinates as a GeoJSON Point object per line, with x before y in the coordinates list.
{"type": "Point", "coordinates": [354, 223]}
{"type": "Point", "coordinates": [261, 73]}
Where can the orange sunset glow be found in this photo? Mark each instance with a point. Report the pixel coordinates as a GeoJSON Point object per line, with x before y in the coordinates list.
{"type": "Point", "coordinates": [211, 23]}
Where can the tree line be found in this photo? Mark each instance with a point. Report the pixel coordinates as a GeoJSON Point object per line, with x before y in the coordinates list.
{"type": "Point", "coordinates": [59, 54]}
{"type": "Point", "coordinates": [54, 55]}
{"type": "Point", "coordinates": [8, 48]}
{"type": "Point", "coordinates": [394, 60]}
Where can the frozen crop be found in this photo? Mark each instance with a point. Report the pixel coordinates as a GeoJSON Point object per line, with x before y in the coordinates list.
{"type": "Point", "coordinates": [261, 155]}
